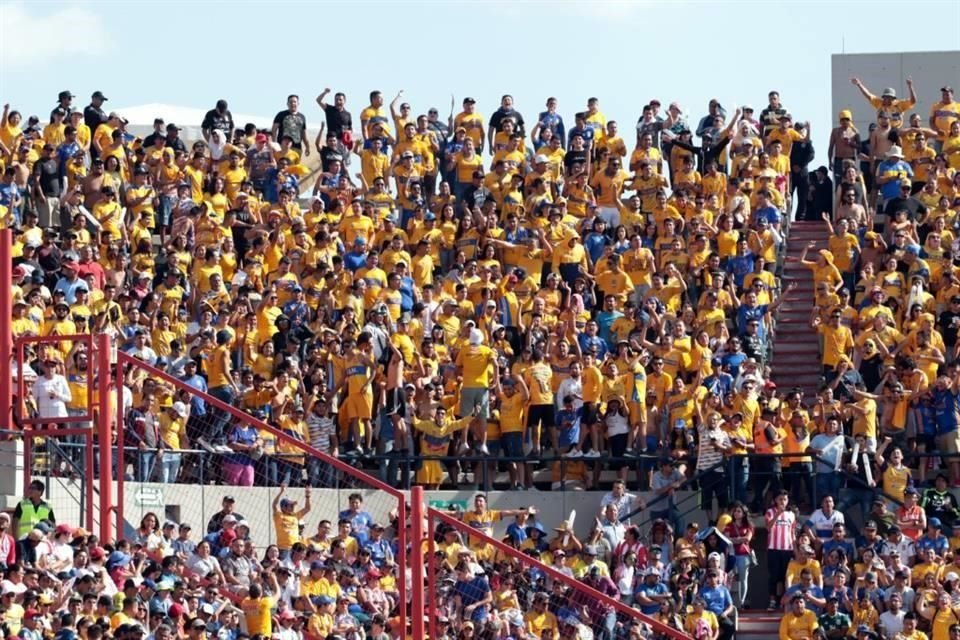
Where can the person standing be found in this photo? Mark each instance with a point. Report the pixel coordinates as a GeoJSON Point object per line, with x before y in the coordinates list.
{"type": "Point", "coordinates": [47, 186]}
{"type": "Point", "coordinates": [52, 392]}
{"type": "Point", "coordinates": [293, 124]}
{"type": "Point", "coordinates": [94, 115]}
{"type": "Point", "coordinates": [801, 155]}
{"type": "Point", "coordinates": [221, 384]}
{"type": "Point", "coordinates": [339, 120]}
{"type": "Point", "coordinates": [475, 363]}
{"type": "Point", "coordinates": [714, 445]}
{"type": "Point", "coordinates": [30, 512]}
{"type": "Point", "coordinates": [781, 535]}
{"type": "Point", "coordinates": [217, 118]}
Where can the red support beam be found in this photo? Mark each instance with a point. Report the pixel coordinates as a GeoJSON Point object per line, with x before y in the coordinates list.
{"type": "Point", "coordinates": [417, 610]}
{"type": "Point", "coordinates": [432, 575]}
{"type": "Point", "coordinates": [89, 480]}
{"type": "Point", "coordinates": [402, 550]}
{"type": "Point", "coordinates": [6, 334]}
{"type": "Point", "coordinates": [119, 430]}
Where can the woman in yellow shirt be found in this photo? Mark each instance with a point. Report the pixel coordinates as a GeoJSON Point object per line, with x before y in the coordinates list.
{"type": "Point", "coordinates": [896, 476]}
{"type": "Point", "coordinates": [823, 267]}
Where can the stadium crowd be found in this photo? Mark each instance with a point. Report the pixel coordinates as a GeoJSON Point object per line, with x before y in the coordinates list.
{"type": "Point", "coordinates": [460, 296]}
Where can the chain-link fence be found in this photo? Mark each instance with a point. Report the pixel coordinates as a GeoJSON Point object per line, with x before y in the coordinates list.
{"type": "Point", "coordinates": [524, 582]}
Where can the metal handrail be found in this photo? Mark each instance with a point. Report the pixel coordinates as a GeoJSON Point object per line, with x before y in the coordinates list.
{"type": "Point", "coordinates": [506, 549]}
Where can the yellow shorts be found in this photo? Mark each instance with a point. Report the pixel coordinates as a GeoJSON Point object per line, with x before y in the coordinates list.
{"type": "Point", "coordinates": [430, 472]}
{"type": "Point", "coordinates": [358, 407]}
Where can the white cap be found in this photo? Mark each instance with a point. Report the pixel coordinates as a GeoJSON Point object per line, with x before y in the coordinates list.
{"type": "Point", "coordinates": [540, 158]}
{"type": "Point", "coordinates": [476, 337]}
{"type": "Point", "coordinates": [180, 409]}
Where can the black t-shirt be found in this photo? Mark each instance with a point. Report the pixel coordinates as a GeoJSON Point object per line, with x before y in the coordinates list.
{"type": "Point", "coordinates": [949, 325]}
{"type": "Point", "coordinates": [572, 157]}
{"type": "Point", "coordinates": [176, 144]}
{"type": "Point", "coordinates": [50, 258]}
{"type": "Point", "coordinates": [913, 207]}
{"type": "Point", "coordinates": [496, 120]}
{"type": "Point", "coordinates": [291, 124]}
{"type": "Point", "coordinates": [216, 120]}
{"type": "Point", "coordinates": [47, 173]}
{"type": "Point", "coordinates": [327, 156]}
{"type": "Point", "coordinates": [93, 117]}
{"type": "Point", "coordinates": [150, 139]}
{"type": "Point", "coordinates": [337, 121]}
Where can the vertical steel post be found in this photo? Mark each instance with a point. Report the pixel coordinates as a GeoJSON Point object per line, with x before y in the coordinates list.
{"type": "Point", "coordinates": [105, 435]}
{"type": "Point", "coordinates": [417, 610]}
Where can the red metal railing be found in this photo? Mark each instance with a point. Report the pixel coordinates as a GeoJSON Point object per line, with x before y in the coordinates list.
{"type": "Point", "coordinates": [403, 536]}
{"type": "Point", "coordinates": [435, 517]}
{"type": "Point", "coordinates": [20, 345]}
{"type": "Point", "coordinates": [35, 427]}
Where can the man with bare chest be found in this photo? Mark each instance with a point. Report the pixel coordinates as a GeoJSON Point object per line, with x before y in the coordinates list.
{"type": "Point", "coordinates": [93, 183]}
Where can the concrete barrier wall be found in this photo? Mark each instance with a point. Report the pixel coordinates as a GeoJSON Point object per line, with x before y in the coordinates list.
{"type": "Point", "coordinates": [196, 504]}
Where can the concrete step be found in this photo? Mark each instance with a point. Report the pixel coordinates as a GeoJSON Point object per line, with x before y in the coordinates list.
{"type": "Point", "coordinates": [759, 624]}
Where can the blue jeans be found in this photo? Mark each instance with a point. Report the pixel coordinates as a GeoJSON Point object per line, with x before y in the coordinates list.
{"type": "Point", "coordinates": [267, 472]}
{"type": "Point", "coordinates": [170, 466]}
{"type": "Point", "coordinates": [220, 419]}
{"type": "Point", "coordinates": [740, 467]}
{"type": "Point", "coordinates": [321, 474]}
{"type": "Point", "coordinates": [394, 467]}
{"type": "Point", "coordinates": [146, 462]}
{"type": "Point", "coordinates": [609, 631]}
{"type": "Point", "coordinates": [291, 473]}
{"type": "Point", "coordinates": [741, 565]}
{"type": "Point", "coordinates": [828, 484]}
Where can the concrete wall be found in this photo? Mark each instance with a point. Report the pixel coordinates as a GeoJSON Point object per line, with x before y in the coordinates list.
{"type": "Point", "coordinates": [928, 70]}
{"type": "Point", "coordinates": [196, 503]}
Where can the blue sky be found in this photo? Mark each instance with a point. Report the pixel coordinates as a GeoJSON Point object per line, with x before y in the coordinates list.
{"type": "Point", "coordinates": [622, 52]}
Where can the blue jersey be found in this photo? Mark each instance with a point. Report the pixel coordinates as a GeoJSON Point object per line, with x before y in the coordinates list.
{"type": "Point", "coordinates": [568, 420]}
{"type": "Point", "coordinates": [946, 408]}
{"type": "Point", "coordinates": [739, 266]}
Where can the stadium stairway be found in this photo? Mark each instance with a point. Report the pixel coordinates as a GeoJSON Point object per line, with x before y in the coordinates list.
{"type": "Point", "coordinates": [757, 624]}
{"type": "Point", "coordinates": [795, 353]}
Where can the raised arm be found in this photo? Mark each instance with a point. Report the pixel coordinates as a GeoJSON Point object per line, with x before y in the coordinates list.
{"type": "Point", "coordinates": [320, 98]}
{"type": "Point", "coordinates": [863, 88]}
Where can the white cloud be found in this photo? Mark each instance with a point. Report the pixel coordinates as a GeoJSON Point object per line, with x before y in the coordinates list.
{"type": "Point", "coordinates": [30, 39]}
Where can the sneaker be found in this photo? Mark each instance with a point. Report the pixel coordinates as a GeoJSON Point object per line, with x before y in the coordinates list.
{"type": "Point", "coordinates": [483, 450]}
{"type": "Point", "coordinates": [463, 448]}
{"type": "Point", "coordinates": [573, 453]}
{"type": "Point", "coordinates": [593, 453]}
{"type": "Point", "coordinates": [631, 453]}
{"type": "Point", "coordinates": [773, 605]}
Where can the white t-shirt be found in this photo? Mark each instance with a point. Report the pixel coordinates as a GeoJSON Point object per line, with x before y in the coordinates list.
{"type": "Point", "coordinates": [617, 425]}
{"type": "Point", "coordinates": [892, 622]}
{"type": "Point", "coordinates": [823, 525]}
{"type": "Point", "coordinates": [570, 387]}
